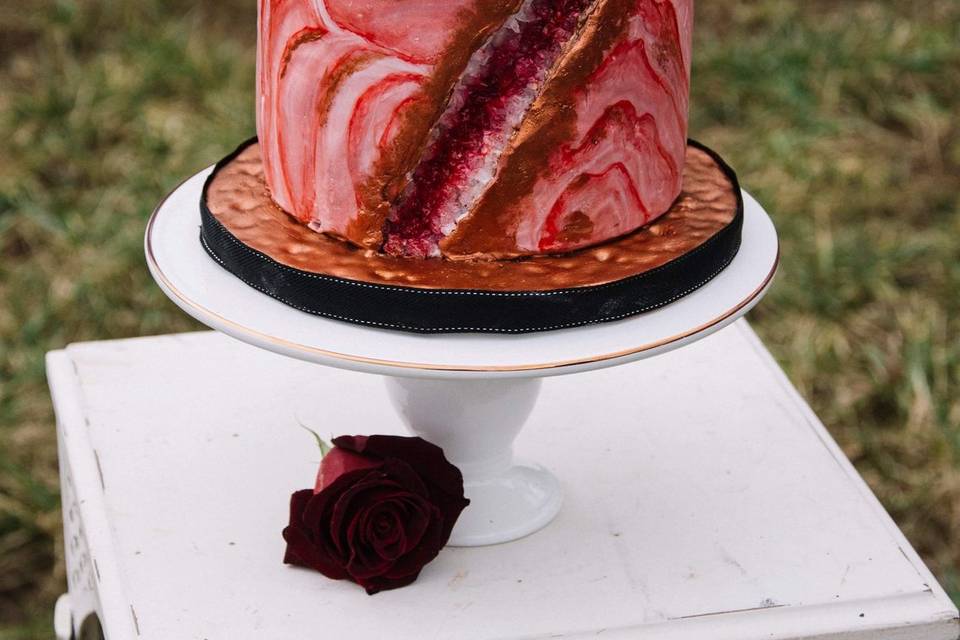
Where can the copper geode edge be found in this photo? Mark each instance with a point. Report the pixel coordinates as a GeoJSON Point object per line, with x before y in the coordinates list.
{"type": "Point", "coordinates": [250, 236]}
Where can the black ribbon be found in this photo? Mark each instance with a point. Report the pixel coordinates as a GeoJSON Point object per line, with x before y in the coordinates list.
{"type": "Point", "coordinates": [448, 311]}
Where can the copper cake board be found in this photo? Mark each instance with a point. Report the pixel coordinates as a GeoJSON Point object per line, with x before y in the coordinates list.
{"type": "Point", "coordinates": [250, 236]}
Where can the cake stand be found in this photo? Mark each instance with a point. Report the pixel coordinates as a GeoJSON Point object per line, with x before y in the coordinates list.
{"type": "Point", "coordinates": [468, 393]}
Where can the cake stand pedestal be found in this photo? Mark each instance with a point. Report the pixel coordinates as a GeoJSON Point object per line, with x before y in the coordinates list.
{"type": "Point", "coordinates": [468, 393]}
{"type": "Point", "coordinates": [476, 422]}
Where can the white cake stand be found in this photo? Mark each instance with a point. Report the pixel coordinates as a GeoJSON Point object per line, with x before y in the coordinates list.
{"type": "Point", "coordinates": [468, 393]}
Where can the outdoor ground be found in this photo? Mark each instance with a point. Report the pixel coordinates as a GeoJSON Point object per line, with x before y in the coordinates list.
{"type": "Point", "coordinates": [839, 116]}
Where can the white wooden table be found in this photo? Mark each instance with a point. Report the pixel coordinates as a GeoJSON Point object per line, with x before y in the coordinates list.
{"type": "Point", "coordinates": [703, 500]}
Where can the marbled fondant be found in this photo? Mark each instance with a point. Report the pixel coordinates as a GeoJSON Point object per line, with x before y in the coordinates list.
{"type": "Point", "coordinates": [474, 129]}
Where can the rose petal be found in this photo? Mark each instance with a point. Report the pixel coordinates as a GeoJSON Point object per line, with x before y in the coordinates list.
{"type": "Point", "coordinates": [348, 512]}
{"type": "Point", "coordinates": [373, 488]}
{"type": "Point", "coordinates": [338, 462]}
{"type": "Point", "coordinates": [423, 551]}
{"type": "Point", "coordinates": [367, 560]}
{"type": "Point", "coordinates": [298, 503]}
{"type": "Point", "coordinates": [415, 522]}
{"type": "Point", "coordinates": [379, 525]}
{"type": "Point", "coordinates": [425, 457]}
{"type": "Point", "coordinates": [301, 552]}
{"type": "Point", "coordinates": [385, 532]}
{"type": "Point", "coordinates": [301, 549]}
{"type": "Point", "coordinates": [389, 542]}
{"type": "Point", "coordinates": [318, 513]}
{"type": "Point", "coordinates": [391, 477]}
{"type": "Point", "coordinates": [443, 480]}
{"type": "Point", "coordinates": [382, 583]}
{"type": "Point", "coordinates": [402, 525]}
{"type": "Point", "coordinates": [364, 560]}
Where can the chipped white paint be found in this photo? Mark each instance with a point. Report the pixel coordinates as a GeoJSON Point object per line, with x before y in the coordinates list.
{"type": "Point", "coordinates": [94, 579]}
{"type": "Point", "coordinates": [703, 499]}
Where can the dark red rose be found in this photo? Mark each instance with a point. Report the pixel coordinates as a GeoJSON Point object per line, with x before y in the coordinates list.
{"type": "Point", "coordinates": [382, 508]}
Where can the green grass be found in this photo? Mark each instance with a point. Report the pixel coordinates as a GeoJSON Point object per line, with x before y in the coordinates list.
{"type": "Point", "coordinates": [839, 116]}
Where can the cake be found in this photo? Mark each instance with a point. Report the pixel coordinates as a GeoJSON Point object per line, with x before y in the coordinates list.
{"type": "Point", "coordinates": [503, 166]}
{"type": "Point", "coordinates": [473, 129]}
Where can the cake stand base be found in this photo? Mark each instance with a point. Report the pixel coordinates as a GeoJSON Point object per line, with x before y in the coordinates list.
{"type": "Point", "coordinates": [475, 423]}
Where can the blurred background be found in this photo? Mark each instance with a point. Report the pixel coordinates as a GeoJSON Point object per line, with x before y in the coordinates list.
{"type": "Point", "coordinates": [841, 117]}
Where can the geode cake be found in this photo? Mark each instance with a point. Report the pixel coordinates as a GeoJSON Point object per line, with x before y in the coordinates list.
{"type": "Point", "coordinates": [500, 166]}
{"type": "Point", "coordinates": [474, 129]}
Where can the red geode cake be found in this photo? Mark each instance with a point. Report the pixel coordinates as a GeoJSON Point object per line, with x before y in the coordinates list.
{"type": "Point", "coordinates": [474, 128]}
